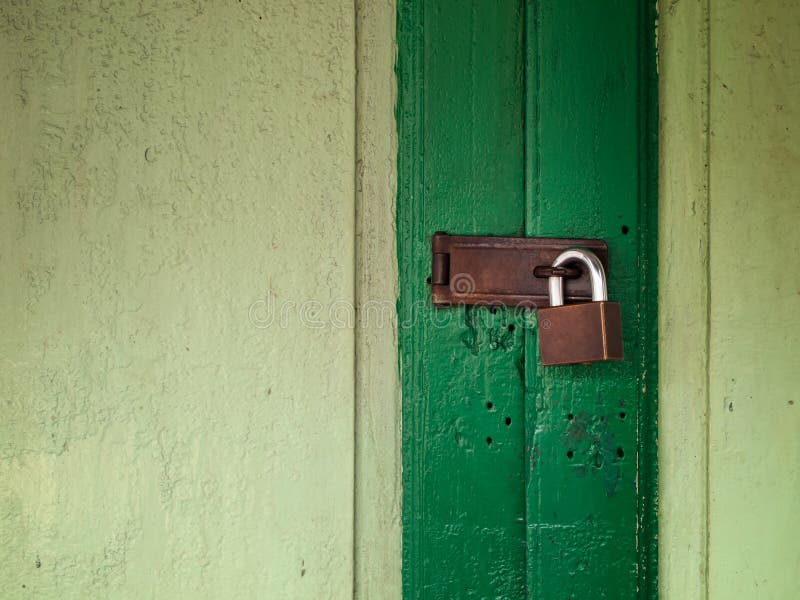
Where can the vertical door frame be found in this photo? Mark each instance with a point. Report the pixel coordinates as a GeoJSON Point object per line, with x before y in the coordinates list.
{"type": "Point", "coordinates": [378, 485]}
{"type": "Point", "coordinates": [683, 36]}
{"type": "Point", "coordinates": [683, 221]}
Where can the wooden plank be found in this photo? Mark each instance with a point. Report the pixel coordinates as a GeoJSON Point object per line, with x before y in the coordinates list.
{"type": "Point", "coordinates": [533, 120]}
{"type": "Point", "coordinates": [460, 120]}
{"type": "Point", "coordinates": [589, 174]}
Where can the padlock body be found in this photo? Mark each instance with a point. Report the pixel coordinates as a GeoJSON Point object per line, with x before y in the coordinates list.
{"type": "Point", "coordinates": [580, 333]}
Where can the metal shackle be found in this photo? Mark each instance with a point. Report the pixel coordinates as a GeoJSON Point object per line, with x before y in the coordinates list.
{"type": "Point", "coordinates": [597, 275]}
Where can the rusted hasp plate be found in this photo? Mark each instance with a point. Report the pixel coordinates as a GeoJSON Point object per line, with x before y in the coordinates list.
{"type": "Point", "coordinates": [499, 271]}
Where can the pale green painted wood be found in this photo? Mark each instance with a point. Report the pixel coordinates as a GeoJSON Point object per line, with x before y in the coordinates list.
{"type": "Point", "coordinates": [729, 329]}
{"type": "Point", "coordinates": [754, 312]}
{"type": "Point", "coordinates": [378, 457]}
{"type": "Point", "coordinates": [683, 300]}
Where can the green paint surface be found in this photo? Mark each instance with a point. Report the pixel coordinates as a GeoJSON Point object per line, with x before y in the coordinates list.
{"type": "Point", "coordinates": [521, 481]}
{"type": "Point", "coordinates": [754, 312]}
{"type": "Point", "coordinates": [683, 300]}
{"type": "Point", "coordinates": [165, 169]}
{"type": "Point", "coordinates": [729, 305]}
{"type": "Point", "coordinates": [461, 169]}
{"type": "Point", "coordinates": [590, 483]}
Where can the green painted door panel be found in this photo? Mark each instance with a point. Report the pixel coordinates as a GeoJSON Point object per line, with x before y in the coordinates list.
{"type": "Point", "coordinates": [463, 157]}
{"type": "Point", "coordinates": [590, 479]}
{"type": "Point", "coordinates": [531, 119]}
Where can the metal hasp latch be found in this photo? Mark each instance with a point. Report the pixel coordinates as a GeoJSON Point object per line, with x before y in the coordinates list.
{"type": "Point", "coordinates": [506, 271]}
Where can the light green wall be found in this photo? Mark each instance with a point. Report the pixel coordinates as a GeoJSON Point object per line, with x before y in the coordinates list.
{"type": "Point", "coordinates": [163, 167]}
{"type": "Point", "coordinates": [754, 312]}
{"type": "Point", "coordinates": [730, 330]}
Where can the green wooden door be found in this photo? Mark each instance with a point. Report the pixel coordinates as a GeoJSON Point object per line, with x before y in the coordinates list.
{"type": "Point", "coordinates": [526, 118]}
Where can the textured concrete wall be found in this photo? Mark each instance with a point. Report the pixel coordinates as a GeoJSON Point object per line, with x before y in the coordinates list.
{"type": "Point", "coordinates": [165, 165]}
{"type": "Point", "coordinates": [754, 312]}
{"type": "Point", "coordinates": [730, 306]}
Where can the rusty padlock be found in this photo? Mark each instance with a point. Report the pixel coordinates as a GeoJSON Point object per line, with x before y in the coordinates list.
{"type": "Point", "coordinates": [580, 333]}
